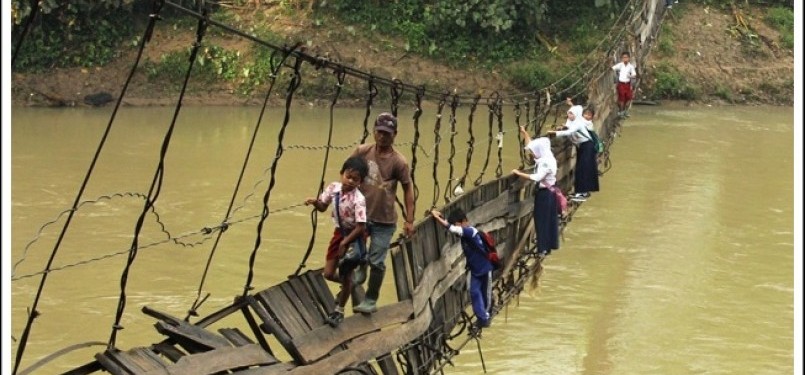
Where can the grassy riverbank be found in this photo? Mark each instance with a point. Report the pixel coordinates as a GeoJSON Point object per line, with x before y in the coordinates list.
{"type": "Point", "coordinates": [712, 54]}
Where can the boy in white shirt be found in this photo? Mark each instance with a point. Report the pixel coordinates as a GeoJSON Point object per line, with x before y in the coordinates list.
{"type": "Point", "coordinates": [625, 72]}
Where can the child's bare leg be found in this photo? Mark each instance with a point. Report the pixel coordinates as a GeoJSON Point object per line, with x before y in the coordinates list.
{"type": "Point", "coordinates": [330, 269]}
{"type": "Point", "coordinates": [346, 288]}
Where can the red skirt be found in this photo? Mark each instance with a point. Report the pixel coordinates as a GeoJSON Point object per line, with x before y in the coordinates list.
{"type": "Point", "coordinates": [624, 91]}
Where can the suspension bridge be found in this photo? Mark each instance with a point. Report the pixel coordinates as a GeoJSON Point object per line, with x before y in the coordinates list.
{"type": "Point", "coordinates": [429, 323]}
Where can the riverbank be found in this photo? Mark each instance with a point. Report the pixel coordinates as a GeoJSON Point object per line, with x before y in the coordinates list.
{"type": "Point", "coordinates": [704, 55]}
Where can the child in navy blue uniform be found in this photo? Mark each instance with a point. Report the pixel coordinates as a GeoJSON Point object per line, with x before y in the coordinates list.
{"type": "Point", "coordinates": [480, 267]}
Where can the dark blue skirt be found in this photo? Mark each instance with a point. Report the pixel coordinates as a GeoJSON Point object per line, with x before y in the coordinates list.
{"type": "Point", "coordinates": [546, 220]}
{"type": "Point", "coordinates": [586, 173]}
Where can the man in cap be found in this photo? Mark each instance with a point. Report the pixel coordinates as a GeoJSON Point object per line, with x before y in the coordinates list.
{"type": "Point", "coordinates": [387, 167]}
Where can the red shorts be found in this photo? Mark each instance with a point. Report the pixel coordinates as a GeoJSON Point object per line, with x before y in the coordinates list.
{"type": "Point", "coordinates": [624, 91]}
{"type": "Point", "coordinates": [332, 249]}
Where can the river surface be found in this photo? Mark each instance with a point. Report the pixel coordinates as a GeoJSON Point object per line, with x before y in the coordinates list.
{"type": "Point", "coordinates": [682, 264]}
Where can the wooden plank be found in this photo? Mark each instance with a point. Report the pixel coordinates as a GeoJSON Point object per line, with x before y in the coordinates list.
{"type": "Point", "coordinates": [387, 365]}
{"type": "Point", "coordinates": [193, 334]}
{"type": "Point", "coordinates": [277, 303]}
{"type": "Point", "coordinates": [275, 369]}
{"type": "Point", "coordinates": [324, 339]}
{"type": "Point", "coordinates": [497, 207]}
{"type": "Point", "coordinates": [258, 333]}
{"type": "Point", "coordinates": [305, 293]}
{"type": "Point", "coordinates": [321, 292]}
{"type": "Point", "coordinates": [309, 320]}
{"type": "Point", "coordinates": [303, 287]}
{"type": "Point", "coordinates": [169, 351]}
{"type": "Point", "coordinates": [430, 243]}
{"type": "Point", "coordinates": [111, 365]}
{"type": "Point", "coordinates": [221, 359]}
{"type": "Point", "coordinates": [222, 313]}
{"type": "Point", "coordinates": [235, 336]}
{"type": "Point", "coordinates": [86, 369]}
{"type": "Point", "coordinates": [401, 279]}
{"type": "Point", "coordinates": [270, 324]}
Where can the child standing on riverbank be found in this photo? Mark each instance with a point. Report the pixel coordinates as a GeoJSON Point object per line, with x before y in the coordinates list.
{"type": "Point", "coordinates": [479, 266]}
{"type": "Point", "coordinates": [625, 71]}
{"type": "Point", "coordinates": [349, 217]}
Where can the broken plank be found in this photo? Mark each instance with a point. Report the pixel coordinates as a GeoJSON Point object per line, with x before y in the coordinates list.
{"type": "Point", "coordinates": [219, 360]}
{"type": "Point", "coordinates": [194, 335]}
{"type": "Point", "coordinates": [277, 303]}
{"type": "Point", "coordinates": [235, 336]}
{"type": "Point", "coordinates": [169, 351]}
{"type": "Point", "coordinates": [322, 340]}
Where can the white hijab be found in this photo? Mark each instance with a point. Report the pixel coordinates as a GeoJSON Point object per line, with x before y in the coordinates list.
{"type": "Point", "coordinates": [577, 111]}
{"type": "Point", "coordinates": [541, 150]}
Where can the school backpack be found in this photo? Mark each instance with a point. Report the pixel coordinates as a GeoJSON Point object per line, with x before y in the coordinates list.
{"type": "Point", "coordinates": [593, 136]}
{"type": "Point", "coordinates": [599, 146]}
{"type": "Point", "coordinates": [561, 200]}
{"type": "Point", "coordinates": [491, 251]}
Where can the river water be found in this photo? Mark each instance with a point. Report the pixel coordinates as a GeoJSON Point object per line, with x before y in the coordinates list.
{"type": "Point", "coordinates": [682, 264]}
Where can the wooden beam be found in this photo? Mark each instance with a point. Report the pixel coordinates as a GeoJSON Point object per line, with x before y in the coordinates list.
{"type": "Point", "coordinates": [219, 360]}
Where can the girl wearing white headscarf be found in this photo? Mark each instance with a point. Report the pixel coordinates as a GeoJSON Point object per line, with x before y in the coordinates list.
{"type": "Point", "coordinates": [577, 130]}
{"type": "Point", "coordinates": [546, 219]}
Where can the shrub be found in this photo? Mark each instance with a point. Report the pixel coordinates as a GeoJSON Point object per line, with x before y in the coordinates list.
{"type": "Point", "coordinates": [671, 84]}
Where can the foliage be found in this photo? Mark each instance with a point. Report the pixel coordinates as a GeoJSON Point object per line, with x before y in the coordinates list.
{"type": "Point", "coordinates": [73, 34]}
{"type": "Point", "coordinates": [457, 30]}
{"type": "Point", "coordinates": [723, 92]}
{"type": "Point", "coordinates": [665, 44]}
{"type": "Point", "coordinates": [782, 19]}
{"type": "Point", "coordinates": [670, 83]}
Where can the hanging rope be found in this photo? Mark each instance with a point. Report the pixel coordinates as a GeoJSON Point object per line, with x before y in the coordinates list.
{"type": "Point", "coordinates": [273, 71]}
{"type": "Point", "coordinates": [314, 212]}
{"type": "Point", "coordinates": [415, 144]}
{"type": "Point", "coordinates": [492, 104]}
{"type": "Point", "coordinates": [521, 149]}
{"type": "Point", "coordinates": [437, 139]}
{"type": "Point", "coordinates": [499, 115]}
{"type": "Point", "coordinates": [156, 8]}
{"type": "Point", "coordinates": [25, 29]}
{"type": "Point", "coordinates": [296, 79]}
{"type": "Point", "coordinates": [370, 97]}
{"type": "Point", "coordinates": [156, 184]}
{"type": "Point", "coordinates": [470, 145]}
{"type": "Point", "coordinates": [396, 92]}
{"type": "Point", "coordinates": [449, 188]}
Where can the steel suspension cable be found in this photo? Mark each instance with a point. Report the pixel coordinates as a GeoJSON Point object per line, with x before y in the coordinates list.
{"type": "Point", "coordinates": [499, 115]}
{"type": "Point", "coordinates": [415, 144]}
{"type": "Point", "coordinates": [153, 17]}
{"type": "Point", "coordinates": [448, 189]}
{"type": "Point", "coordinates": [292, 86]}
{"type": "Point", "coordinates": [520, 148]}
{"type": "Point", "coordinates": [491, 104]}
{"type": "Point", "coordinates": [437, 139]}
{"type": "Point", "coordinates": [314, 212]}
{"type": "Point", "coordinates": [470, 142]}
{"type": "Point", "coordinates": [370, 97]}
{"type": "Point", "coordinates": [273, 70]}
{"type": "Point", "coordinates": [156, 184]}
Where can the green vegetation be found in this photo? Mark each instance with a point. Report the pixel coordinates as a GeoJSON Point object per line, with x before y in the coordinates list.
{"type": "Point", "coordinates": [670, 83]}
{"type": "Point", "coordinates": [782, 19]}
{"type": "Point", "coordinates": [73, 35]}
